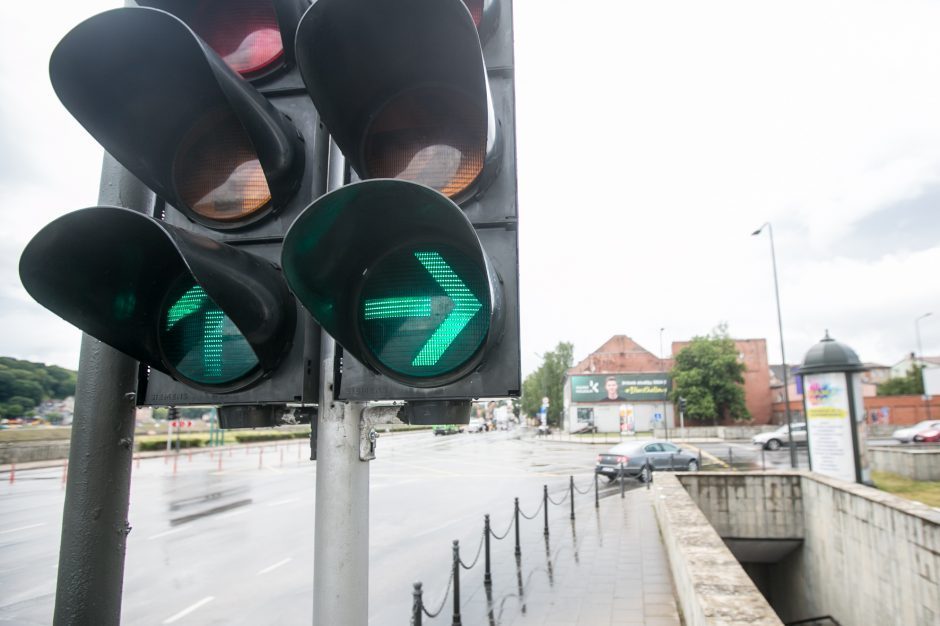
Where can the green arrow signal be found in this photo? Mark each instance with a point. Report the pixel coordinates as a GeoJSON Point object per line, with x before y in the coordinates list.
{"type": "Point", "coordinates": [466, 305]}
{"type": "Point", "coordinates": [213, 325]}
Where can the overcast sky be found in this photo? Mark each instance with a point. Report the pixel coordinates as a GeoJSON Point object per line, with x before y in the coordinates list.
{"type": "Point", "coordinates": [653, 138]}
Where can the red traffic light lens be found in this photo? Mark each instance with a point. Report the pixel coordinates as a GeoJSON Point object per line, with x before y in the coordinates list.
{"type": "Point", "coordinates": [476, 10]}
{"type": "Point", "coordinates": [430, 135]}
{"type": "Point", "coordinates": [217, 171]}
{"type": "Point", "coordinates": [245, 33]}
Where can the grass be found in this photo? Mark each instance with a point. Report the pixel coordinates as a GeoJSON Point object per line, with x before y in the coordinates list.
{"type": "Point", "coordinates": [925, 491]}
{"type": "Point", "coordinates": [17, 435]}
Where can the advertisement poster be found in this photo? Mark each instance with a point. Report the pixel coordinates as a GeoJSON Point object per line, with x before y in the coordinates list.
{"type": "Point", "coordinates": [829, 425]}
{"type": "Point", "coordinates": [627, 419]}
{"type": "Point", "coordinates": [619, 387]}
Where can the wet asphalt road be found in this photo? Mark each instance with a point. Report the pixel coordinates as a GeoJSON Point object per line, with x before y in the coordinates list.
{"type": "Point", "coordinates": [235, 545]}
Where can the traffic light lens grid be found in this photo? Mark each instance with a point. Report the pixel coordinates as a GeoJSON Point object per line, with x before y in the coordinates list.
{"type": "Point", "coordinates": [217, 171]}
{"type": "Point", "coordinates": [429, 135]}
{"type": "Point", "coordinates": [245, 33]}
{"type": "Point", "coordinates": [200, 342]}
{"type": "Point", "coordinates": [424, 311]}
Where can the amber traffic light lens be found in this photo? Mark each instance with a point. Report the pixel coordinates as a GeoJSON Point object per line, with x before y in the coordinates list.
{"type": "Point", "coordinates": [245, 33]}
{"type": "Point", "coordinates": [429, 135]}
{"type": "Point", "coordinates": [217, 171]}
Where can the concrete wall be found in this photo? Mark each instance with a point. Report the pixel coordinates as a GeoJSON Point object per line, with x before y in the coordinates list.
{"type": "Point", "coordinates": [867, 557]}
{"type": "Point", "coordinates": [917, 463]}
{"type": "Point", "coordinates": [749, 506]}
{"type": "Point", "coordinates": [711, 585]}
{"type": "Point", "coordinates": [24, 452]}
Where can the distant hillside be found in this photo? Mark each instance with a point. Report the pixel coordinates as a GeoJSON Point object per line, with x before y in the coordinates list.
{"type": "Point", "coordinates": [24, 384]}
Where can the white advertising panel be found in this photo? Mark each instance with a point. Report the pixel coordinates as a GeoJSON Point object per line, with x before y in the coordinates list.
{"type": "Point", "coordinates": [829, 425]}
{"type": "Point", "coordinates": [932, 381]}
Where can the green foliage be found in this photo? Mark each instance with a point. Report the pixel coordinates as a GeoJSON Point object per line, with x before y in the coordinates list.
{"type": "Point", "coordinates": [548, 381]}
{"type": "Point", "coordinates": [709, 376]}
{"type": "Point", "coordinates": [149, 444]}
{"type": "Point", "coordinates": [24, 384]}
{"type": "Point", "coordinates": [910, 384]}
{"type": "Point", "coordinates": [253, 436]}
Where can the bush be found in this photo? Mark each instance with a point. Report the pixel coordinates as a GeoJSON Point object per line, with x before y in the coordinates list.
{"type": "Point", "coordinates": [261, 436]}
{"type": "Point", "coordinates": [150, 444]}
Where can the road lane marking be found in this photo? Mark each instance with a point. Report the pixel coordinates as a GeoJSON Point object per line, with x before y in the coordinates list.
{"type": "Point", "coordinates": [280, 502]}
{"type": "Point", "coordinates": [705, 453]}
{"type": "Point", "coordinates": [172, 531]}
{"type": "Point", "coordinates": [271, 568]}
{"type": "Point", "coordinates": [19, 528]}
{"type": "Point", "coordinates": [189, 610]}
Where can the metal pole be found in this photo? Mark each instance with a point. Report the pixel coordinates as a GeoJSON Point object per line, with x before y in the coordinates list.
{"type": "Point", "coordinates": [341, 536]}
{"type": "Point", "coordinates": [545, 508]}
{"type": "Point", "coordinates": [416, 605]}
{"type": "Point", "coordinates": [663, 367]}
{"type": "Point", "coordinates": [97, 493]}
{"type": "Point", "coordinates": [730, 458]}
{"type": "Point", "coordinates": [920, 353]}
{"type": "Point", "coordinates": [456, 619]}
{"type": "Point", "coordinates": [571, 492]}
{"type": "Point", "coordinates": [621, 480]}
{"type": "Point", "coordinates": [487, 577]}
{"type": "Point", "coordinates": [783, 354]}
{"type": "Point", "coordinates": [597, 498]}
{"type": "Point", "coordinates": [516, 522]}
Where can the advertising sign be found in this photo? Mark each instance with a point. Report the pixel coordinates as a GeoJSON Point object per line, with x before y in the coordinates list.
{"type": "Point", "coordinates": [619, 387]}
{"type": "Point", "coordinates": [829, 425]}
{"type": "Point", "coordinates": [627, 419]}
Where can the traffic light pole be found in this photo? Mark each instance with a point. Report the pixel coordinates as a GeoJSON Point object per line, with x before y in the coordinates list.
{"type": "Point", "coordinates": [341, 535]}
{"type": "Point", "coordinates": [97, 492]}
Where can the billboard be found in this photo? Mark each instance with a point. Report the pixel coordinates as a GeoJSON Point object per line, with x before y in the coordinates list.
{"type": "Point", "coordinates": [620, 387]}
{"type": "Point", "coordinates": [829, 425]}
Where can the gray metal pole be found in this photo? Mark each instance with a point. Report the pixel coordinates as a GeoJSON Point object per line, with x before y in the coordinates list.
{"type": "Point", "coordinates": [920, 354]}
{"type": "Point", "coordinates": [662, 366]}
{"type": "Point", "coordinates": [783, 354]}
{"type": "Point", "coordinates": [341, 535]}
{"type": "Point", "coordinates": [97, 493]}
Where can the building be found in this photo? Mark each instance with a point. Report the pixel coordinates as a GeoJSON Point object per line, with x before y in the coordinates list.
{"type": "Point", "coordinates": [902, 367]}
{"type": "Point", "coordinates": [619, 386]}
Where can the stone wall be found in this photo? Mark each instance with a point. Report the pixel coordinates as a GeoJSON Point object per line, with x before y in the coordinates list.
{"type": "Point", "coordinates": [24, 452]}
{"type": "Point", "coordinates": [917, 463]}
{"type": "Point", "coordinates": [712, 587]}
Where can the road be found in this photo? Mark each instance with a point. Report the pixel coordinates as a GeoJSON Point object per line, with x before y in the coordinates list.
{"type": "Point", "coordinates": [228, 539]}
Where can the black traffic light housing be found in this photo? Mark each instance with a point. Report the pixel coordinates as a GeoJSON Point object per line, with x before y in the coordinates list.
{"type": "Point", "coordinates": [172, 112]}
{"type": "Point", "coordinates": [360, 59]}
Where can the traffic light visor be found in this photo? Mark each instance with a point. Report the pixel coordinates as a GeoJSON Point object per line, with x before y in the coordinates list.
{"type": "Point", "coordinates": [245, 33]}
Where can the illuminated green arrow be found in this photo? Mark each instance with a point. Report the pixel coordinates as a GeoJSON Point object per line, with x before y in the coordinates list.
{"type": "Point", "coordinates": [212, 328]}
{"type": "Point", "coordinates": [466, 306]}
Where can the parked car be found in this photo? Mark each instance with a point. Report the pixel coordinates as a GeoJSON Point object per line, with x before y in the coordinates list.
{"type": "Point", "coordinates": [638, 456]}
{"type": "Point", "coordinates": [928, 436]}
{"type": "Point", "coordinates": [446, 429]}
{"type": "Point", "coordinates": [906, 435]}
{"type": "Point", "coordinates": [776, 438]}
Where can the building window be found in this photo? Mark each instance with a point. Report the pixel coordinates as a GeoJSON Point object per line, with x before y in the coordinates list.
{"type": "Point", "coordinates": [585, 416]}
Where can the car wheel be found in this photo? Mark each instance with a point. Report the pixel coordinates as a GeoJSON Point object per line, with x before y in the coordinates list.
{"type": "Point", "coordinates": [610, 478]}
{"type": "Point", "coordinates": [773, 444]}
{"type": "Point", "coordinates": [645, 474]}
{"type": "Point", "coordinates": [693, 465]}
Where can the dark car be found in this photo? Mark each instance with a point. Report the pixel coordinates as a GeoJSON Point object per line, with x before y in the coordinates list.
{"type": "Point", "coordinates": [638, 457]}
{"type": "Point", "coordinates": [446, 429]}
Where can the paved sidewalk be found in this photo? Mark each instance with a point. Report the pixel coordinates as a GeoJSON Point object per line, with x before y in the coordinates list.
{"type": "Point", "coordinates": [608, 568]}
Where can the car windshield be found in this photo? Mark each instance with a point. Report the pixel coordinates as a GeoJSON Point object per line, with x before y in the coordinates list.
{"type": "Point", "coordinates": [926, 424]}
{"type": "Point", "coordinates": [626, 449]}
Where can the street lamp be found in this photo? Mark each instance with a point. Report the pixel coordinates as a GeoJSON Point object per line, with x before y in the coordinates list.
{"type": "Point", "coordinates": [662, 366]}
{"type": "Point", "coordinates": [783, 355]}
{"type": "Point", "coordinates": [920, 355]}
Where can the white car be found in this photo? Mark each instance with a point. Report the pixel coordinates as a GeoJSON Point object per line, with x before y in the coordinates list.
{"type": "Point", "coordinates": [906, 435]}
{"type": "Point", "coordinates": [475, 426]}
{"type": "Point", "coordinates": [776, 438]}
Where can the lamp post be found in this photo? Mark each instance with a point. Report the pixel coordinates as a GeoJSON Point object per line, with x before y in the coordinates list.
{"type": "Point", "coordinates": [783, 355]}
{"type": "Point", "coordinates": [920, 356]}
{"type": "Point", "coordinates": [662, 367]}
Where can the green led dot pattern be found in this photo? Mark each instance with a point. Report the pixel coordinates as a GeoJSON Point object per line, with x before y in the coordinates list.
{"type": "Point", "coordinates": [424, 311]}
{"type": "Point", "coordinates": [200, 342]}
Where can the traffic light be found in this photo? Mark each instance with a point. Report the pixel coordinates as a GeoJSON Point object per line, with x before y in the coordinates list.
{"type": "Point", "coordinates": [203, 103]}
{"type": "Point", "coordinates": [413, 266]}
{"type": "Point", "coordinates": [681, 404]}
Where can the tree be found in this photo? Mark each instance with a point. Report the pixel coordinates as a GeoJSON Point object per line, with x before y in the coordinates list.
{"type": "Point", "coordinates": [710, 377]}
{"type": "Point", "coordinates": [910, 384]}
{"type": "Point", "coordinates": [548, 381]}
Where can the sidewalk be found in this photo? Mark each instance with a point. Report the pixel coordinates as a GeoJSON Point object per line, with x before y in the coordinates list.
{"type": "Point", "coordinates": [609, 568]}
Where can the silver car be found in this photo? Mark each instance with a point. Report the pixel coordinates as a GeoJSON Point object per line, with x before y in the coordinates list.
{"type": "Point", "coordinates": [638, 457]}
{"type": "Point", "coordinates": [776, 438]}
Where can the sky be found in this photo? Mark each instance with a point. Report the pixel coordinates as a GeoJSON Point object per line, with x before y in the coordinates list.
{"type": "Point", "coordinates": [652, 139]}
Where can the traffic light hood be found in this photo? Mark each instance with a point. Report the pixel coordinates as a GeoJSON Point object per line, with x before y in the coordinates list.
{"type": "Point", "coordinates": [110, 271]}
{"type": "Point", "coordinates": [147, 89]}
{"type": "Point", "coordinates": [388, 76]}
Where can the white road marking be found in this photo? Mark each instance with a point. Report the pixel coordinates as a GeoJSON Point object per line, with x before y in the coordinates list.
{"type": "Point", "coordinates": [18, 529]}
{"type": "Point", "coordinates": [172, 531]}
{"type": "Point", "coordinates": [280, 502]}
{"type": "Point", "coordinates": [275, 566]}
{"type": "Point", "coordinates": [239, 511]}
{"type": "Point", "coordinates": [189, 610]}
